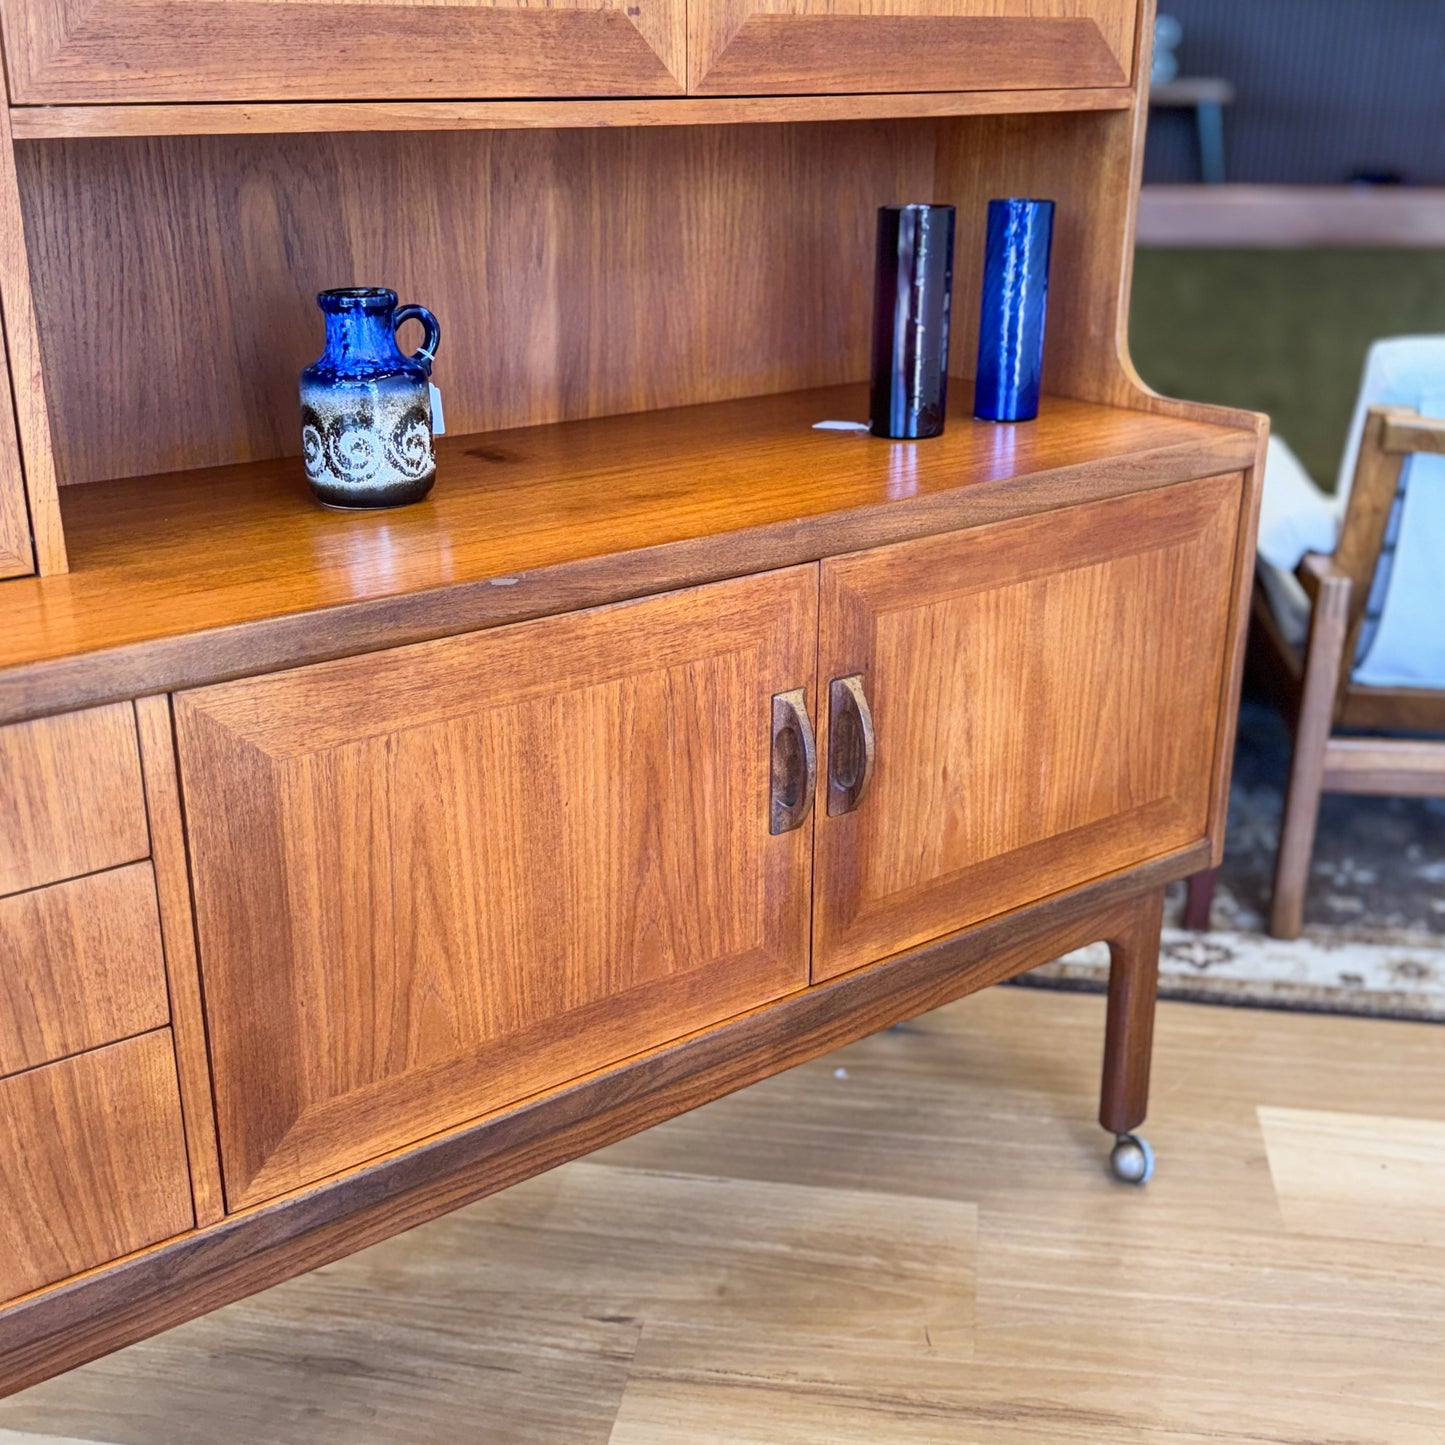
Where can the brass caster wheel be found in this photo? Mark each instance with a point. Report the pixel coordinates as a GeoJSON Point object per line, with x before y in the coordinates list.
{"type": "Point", "coordinates": [1131, 1159]}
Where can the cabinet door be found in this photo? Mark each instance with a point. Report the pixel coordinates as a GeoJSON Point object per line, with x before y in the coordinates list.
{"type": "Point", "coordinates": [1045, 698]}
{"type": "Point", "coordinates": [98, 51]}
{"type": "Point", "coordinates": [779, 47]}
{"type": "Point", "coordinates": [434, 881]}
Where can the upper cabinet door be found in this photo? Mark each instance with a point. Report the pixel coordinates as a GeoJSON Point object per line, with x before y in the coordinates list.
{"type": "Point", "coordinates": [433, 881]}
{"type": "Point", "coordinates": [101, 51]}
{"type": "Point", "coordinates": [1012, 711]}
{"type": "Point", "coordinates": [829, 47]}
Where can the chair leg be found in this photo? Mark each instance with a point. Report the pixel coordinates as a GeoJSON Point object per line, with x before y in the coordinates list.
{"type": "Point", "coordinates": [1328, 630]}
{"type": "Point", "coordinates": [1200, 899]}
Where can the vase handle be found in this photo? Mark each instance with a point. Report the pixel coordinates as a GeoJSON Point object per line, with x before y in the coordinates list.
{"type": "Point", "coordinates": [430, 325]}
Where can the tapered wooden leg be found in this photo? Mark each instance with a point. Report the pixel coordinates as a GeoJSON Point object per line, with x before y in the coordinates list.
{"type": "Point", "coordinates": [1329, 627]}
{"type": "Point", "coordinates": [1129, 1033]}
{"type": "Point", "coordinates": [1200, 899]}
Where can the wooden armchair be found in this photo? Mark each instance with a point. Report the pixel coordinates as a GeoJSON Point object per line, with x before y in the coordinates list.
{"type": "Point", "coordinates": [1329, 708]}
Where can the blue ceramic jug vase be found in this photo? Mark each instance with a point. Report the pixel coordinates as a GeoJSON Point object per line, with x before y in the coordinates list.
{"type": "Point", "coordinates": [366, 427]}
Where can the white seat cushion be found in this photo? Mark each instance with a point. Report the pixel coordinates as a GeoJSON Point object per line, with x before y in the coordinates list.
{"type": "Point", "coordinates": [1295, 516]}
{"type": "Point", "coordinates": [1288, 602]}
{"type": "Point", "coordinates": [1407, 647]}
{"type": "Point", "coordinates": [1403, 640]}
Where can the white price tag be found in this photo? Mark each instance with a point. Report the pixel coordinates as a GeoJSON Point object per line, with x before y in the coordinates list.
{"type": "Point", "coordinates": [438, 417]}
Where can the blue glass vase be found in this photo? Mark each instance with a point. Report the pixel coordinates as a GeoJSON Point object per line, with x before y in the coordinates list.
{"type": "Point", "coordinates": [1015, 306]}
{"type": "Point", "coordinates": [912, 297]}
{"type": "Point", "coordinates": [366, 422]}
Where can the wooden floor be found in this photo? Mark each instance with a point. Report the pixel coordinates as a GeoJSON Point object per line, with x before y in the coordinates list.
{"type": "Point", "coordinates": [911, 1241]}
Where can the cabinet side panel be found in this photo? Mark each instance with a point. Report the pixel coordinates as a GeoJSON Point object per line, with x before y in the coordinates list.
{"type": "Point", "coordinates": [17, 558]}
{"type": "Point", "coordinates": [31, 410]}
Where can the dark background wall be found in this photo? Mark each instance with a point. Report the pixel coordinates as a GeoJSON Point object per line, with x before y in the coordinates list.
{"type": "Point", "coordinates": [1327, 89]}
{"type": "Point", "coordinates": [1284, 332]}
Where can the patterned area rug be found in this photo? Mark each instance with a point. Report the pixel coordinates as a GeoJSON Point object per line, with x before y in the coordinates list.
{"type": "Point", "coordinates": [1374, 939]}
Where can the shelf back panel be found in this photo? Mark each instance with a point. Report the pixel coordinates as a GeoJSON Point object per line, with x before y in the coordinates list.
{"type": "Point", "coordinates": [575, 273]}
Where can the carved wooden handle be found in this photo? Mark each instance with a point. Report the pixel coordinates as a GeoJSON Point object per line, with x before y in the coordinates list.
{"type": "Point", "coordinates": [850, 744]}
{"type": "Point", "coordinates": [795, 762]}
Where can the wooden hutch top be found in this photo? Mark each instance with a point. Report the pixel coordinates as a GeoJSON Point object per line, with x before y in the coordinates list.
{"type": "Point", "coordinates": [646, 229]}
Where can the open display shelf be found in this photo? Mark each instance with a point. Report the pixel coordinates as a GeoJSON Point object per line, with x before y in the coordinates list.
{"type": "Point", "coordinates": [62, 122]}
{"type": "Point", "coordinates": [191, 577]}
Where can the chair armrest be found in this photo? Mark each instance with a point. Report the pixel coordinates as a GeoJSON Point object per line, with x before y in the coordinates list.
{"type": "Point", "coordinates": [1409, 432]}
{"type": "Point", "coordinates": [1315, 570]}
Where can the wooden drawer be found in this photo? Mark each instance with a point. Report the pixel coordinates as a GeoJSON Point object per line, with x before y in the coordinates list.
{"type": "Point", "coordinates": [86, 51]}
{"type": "Point", "coordinates": [94, 1162]}
{"type": "Point", "coordinates": [70, 797]}
{"type": "Point", "coordinates": [80, 966]}
{"type": "Point", "coordinates": [830, 47]}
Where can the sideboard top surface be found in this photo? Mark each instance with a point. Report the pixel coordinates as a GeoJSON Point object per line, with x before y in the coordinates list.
{"type": "Point", "coordinates": [192, 577]}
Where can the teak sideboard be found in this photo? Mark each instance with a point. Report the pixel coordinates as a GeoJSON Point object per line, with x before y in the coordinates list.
{"type": "Point", "coordinates": [354, 867]}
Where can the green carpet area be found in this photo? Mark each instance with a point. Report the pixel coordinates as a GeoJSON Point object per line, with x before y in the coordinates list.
{"type": "Point", "coordinates": [1284, 332]}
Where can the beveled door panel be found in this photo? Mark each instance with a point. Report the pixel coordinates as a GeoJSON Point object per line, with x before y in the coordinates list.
{"type": "Point", "coordinates": [433, 881]}
{"type": "Point", "coordinates": [1042, 704]}
{"type": "Point", "coordinates": [779, 47]}
{"type": "Point", "coordinates": [107, 51]}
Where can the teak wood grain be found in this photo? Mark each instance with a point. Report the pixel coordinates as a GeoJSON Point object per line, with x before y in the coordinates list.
{"type": "Point", "coordinates": [752, 47]}
{"type": "Point", "coordinates": [95, 1165]}
{"type": "Point", "coordinates": [17, 557]}
{"type": "Point", "coordinates": [97, 51]}
{"type": "Point", "coordinates": [28, 423]}
{"type": "Point", "coordinates": [80, 966]}
{"type": "Point", "coordinates": [70, 797]}
{"type": "Point", "coordinates": [65, 122]}
{"type": "Point", "coordinates": [433, 881]}
{"type": "Point", "coordinates": [576, 273]}
{"type": "Point", "coordinates": [183, 980]}
{"type": "Point", "coordinates": [1044, 696]}
{"type": "Point", "coordinates": [192, 578]}
{"type": "Point", "coordinates": [261, 1247]}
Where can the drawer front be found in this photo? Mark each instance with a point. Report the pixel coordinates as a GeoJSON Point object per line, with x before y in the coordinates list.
{"type": "Point", "coordinates": [1045, 697]}
{"type": "Point", "coordinates": [80, 966]}
{"type": "Point", "coordinates": [102, 51]}
{"type": "Point", "coordinates": [95, 1162]}
{"type": "Point", "coordinates": [70, 797]}
{"type": "Point", "coordinates": [811, 47]}
{"type": "Point", "coordinates": [434, 881]}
